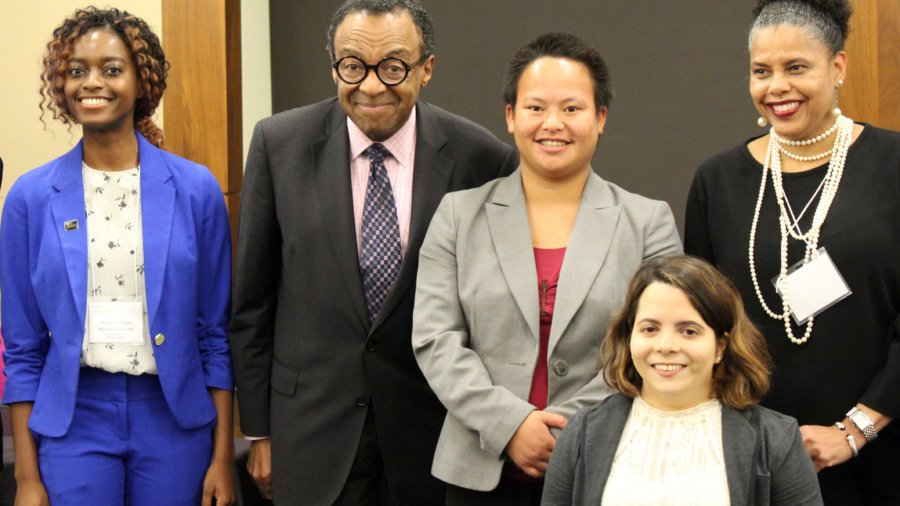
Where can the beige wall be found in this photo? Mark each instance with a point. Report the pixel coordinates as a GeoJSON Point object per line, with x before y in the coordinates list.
{"type": "Point", "coordinates": [25, 29]}
{"type": "Point", "coordinates": [256, 63]}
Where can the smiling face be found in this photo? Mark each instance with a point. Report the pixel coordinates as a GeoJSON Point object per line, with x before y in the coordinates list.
{"type": "Point", "coordinates": [673, 349]}
{"type": "Point", "coordinates": [555, 121]}
{"type": "Point", "coordinates": [377, 109]}
{"type": "Point", "coordinates": [101, 83]}
{"type": "Point", "coordinates": [793, 80]}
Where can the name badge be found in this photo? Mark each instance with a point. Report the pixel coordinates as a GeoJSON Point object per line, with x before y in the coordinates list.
{"type": "Point", "coordinates": [812, 287]}
{"type": "Point", "coordinates": [116, 323]}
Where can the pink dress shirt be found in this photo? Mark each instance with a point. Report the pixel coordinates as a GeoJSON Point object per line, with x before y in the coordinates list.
{"type": "Point", "coordinates": [399, 166]}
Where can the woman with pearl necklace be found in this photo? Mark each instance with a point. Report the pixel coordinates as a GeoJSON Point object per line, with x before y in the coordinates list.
{"type": "Point", "coordinates": [812, 207]}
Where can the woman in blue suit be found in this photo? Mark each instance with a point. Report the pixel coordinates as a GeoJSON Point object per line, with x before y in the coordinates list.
{"type": "Point", "coordinates": [115, 272]}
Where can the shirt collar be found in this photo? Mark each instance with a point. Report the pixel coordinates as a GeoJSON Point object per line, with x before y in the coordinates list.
{"type": "Point", "coordinates": [401, 144]}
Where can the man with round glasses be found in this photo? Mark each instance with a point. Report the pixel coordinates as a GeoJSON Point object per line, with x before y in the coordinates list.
{"type": "Point", "coordinates": [336, 200]}
{"type": "Point", "coordinates": [390, 71]}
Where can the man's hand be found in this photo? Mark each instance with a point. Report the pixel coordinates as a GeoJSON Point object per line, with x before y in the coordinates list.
{"type": "Point", "coordinates": [259, 465]}
{"type": "Point", "coordinates": [532, 444]}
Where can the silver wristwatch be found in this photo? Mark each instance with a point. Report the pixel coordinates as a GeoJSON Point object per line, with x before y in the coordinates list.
{"type": "Point", "coordinates": [863, 423]}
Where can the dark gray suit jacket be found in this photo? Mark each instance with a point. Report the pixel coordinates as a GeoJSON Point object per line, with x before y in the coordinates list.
{"type": "Point", "coordinates": [308, 366]}
{"type": "Point", "coordinates": [764, 457]}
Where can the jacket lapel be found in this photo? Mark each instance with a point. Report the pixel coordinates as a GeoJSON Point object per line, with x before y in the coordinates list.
{"type": "Point", "coordinates": [603, 445]}
{"type": "Point", "coordinates": [67, 205]}
{"type": "Point", "coordinates": [331, 160]}
{"type": "Point", "coordinates": [157, 211]}
{"type": "Point", "coordinates": [739, 440]}
{"type": "Point", "coordinates": [431, 177]}
{"type": "Point", "coordinates": [511, 235]}
{"type": "Point", "coordinates": [586, 253]}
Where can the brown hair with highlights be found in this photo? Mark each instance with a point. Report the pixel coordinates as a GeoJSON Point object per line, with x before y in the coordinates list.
{"type": "Point", "coordinates": [146, 52]}
{"type": "Point", "coordinates": [742, 377]}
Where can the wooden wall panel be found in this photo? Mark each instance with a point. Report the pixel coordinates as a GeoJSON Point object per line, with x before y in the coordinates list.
{"type": "Point", "coordinates": [889, 63]}
{"type": "Point", "coordinates": [859, 96]}
{"type": "Point", "coordinates": [202, 106]}
{"type": "Point", "coordinates": [872, 90]}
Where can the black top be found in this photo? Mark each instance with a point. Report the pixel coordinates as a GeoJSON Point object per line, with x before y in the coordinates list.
{"type": "Point", "coordinates": [853, 354]}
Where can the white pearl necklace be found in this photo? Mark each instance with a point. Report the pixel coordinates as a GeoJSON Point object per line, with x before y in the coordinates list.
{"type": "Point", "coordinates": [842, 141]}
{"type": "Point", "coordinates": [801, 158]}
{"type": "Point", "coordinates": [782, 142]}
{"type": "Point", "coordinates": [807, 142]}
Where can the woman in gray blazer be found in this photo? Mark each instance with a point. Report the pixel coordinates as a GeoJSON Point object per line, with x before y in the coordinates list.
{"type": "Point", "coordinates": [684, 428]}
{"type": "Point", "coordinates": [517, 279]}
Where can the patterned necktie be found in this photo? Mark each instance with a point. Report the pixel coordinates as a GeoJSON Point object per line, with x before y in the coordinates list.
{"type": "Point", "coordinates": [379, 261]}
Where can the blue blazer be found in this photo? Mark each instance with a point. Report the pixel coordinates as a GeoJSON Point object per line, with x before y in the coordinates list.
{"type": "Point", "coordinates": [43, 279]}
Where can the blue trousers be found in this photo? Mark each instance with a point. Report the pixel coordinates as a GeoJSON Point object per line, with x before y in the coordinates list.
{"type": "Point", "coordinates": [124, 447]}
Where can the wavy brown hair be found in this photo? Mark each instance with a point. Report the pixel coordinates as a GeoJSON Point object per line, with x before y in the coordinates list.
{"type": "Point", "coordinates": [146, 53]}
{"type": "Point", "coordinates": [741, 379]}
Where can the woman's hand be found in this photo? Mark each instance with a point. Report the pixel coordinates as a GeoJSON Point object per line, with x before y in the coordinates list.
{"type": "Point", "coordinates": [30, 489]}
{"type": "Point", "coordinates": [827, 446]}
{"type": "Point", "coordinates": [219, 483]}
{"type": "Point", "coordinates": [219, 480]}
{"type": "Point", "coordinates": [31, 493]}
{"type": "Point", "coordinates": [532, 444]}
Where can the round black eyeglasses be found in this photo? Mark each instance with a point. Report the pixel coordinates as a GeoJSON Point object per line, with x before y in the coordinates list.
{"type": "Point", "coordinates": [390, 71]}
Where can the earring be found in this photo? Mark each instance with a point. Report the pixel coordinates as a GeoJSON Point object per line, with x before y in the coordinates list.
{"type": "Point", "coordinates": [718, 358]}
{"type": "Point", "coordinates": [837, 110]}
{"type": "Point", "coordinates": [762, 122]}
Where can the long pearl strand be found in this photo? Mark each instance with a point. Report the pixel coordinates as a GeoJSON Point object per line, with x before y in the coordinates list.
{"type": "Point", "coordinates": [842, 142]}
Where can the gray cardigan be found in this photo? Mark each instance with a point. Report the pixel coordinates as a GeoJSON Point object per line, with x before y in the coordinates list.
{"type": "Point", "coordinates": [765, 461]}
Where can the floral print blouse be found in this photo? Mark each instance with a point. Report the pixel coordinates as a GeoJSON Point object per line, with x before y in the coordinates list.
{"type": "Point", "coordinates": [115, 264]}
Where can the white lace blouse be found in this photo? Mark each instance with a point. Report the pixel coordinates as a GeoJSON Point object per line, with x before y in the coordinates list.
{"type": "Point", "coordinates": [669, 458]}
{"type": "Point", "coordinates": [115, 264]}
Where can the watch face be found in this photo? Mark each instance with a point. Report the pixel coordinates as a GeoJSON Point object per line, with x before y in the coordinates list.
{"type": "Point", "coordinates": [863, 423]}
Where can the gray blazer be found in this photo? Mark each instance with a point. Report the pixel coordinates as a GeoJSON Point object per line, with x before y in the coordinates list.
{"type": "Point", "coordinates": [764, 457]}
{"type": "Point", "coordinates": [476, 318]}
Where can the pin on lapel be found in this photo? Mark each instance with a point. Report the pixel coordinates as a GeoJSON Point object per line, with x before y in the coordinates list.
{"type": "Point", "coordinates": [70, 225]}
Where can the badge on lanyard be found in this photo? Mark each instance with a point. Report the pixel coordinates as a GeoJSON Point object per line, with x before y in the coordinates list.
{"type": "Point", "coordinates": [116, 323]}
{"type": "Point", "coordinates": [812, 287]}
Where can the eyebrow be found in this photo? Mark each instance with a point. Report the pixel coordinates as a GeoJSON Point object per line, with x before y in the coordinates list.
{"type": "Point", "coordinates": [686, 323]}
{"type": "Point", "coordinates": [792, 61]}
{"type": "Point", "coordinates": [580, 100]}
{"type": "Point", "coordinates": [396, 53]}
{"type": "Point", "coordinates": [104, 60]}
{"type": "Point", "coordinates": [683, 323]}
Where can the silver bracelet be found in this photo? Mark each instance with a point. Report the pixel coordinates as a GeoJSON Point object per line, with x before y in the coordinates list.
{"type": "Point", "coordinates": [840, 426]}
{"type": "Point", "coordinates": [852, 443]}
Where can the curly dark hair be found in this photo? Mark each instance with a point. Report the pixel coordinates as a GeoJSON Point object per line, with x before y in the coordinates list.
{"type": "Point", "coordinates": [827, 20]}
{"type": "Point", "coordinates": [146, 52]}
